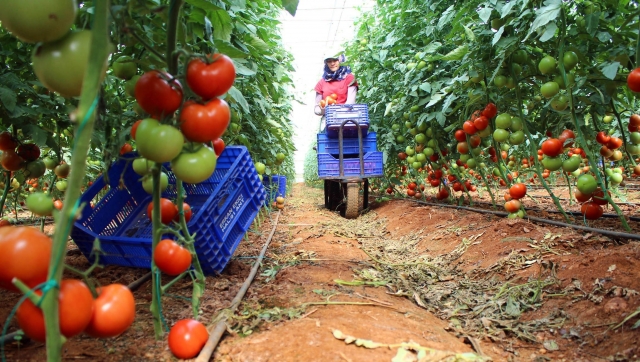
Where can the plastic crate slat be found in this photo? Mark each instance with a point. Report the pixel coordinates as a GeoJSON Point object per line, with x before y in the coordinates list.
{"type": "Point", "coordinates": [350, 146]}
{"type": "Point", "coordinates": [329, 166]}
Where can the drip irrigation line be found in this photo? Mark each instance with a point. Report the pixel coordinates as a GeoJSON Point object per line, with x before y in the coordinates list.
{"type": "Point", "coordinates": [216, 335]}
{"type": "Point", "coordinates": [10, 336]}
{"type": "Point", "coordinates": [610, 233]}
{"type": "Point", "coordinates": [138, 283]}
{"type": "Point", "coordinates": [574, 213]}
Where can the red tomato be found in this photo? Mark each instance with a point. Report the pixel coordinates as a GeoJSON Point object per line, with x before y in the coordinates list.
{"type": "Point", "coordinates": [460, 136]}
{"type": "Point", "coordinates": [204, 123]}
{"type": "Point", "coordinates": [591, 210]}
{"type": "Point", "coordinates": [134, 128]}
{"type": "Point", "coordinates": [598, 197]}
{"type": "Point", "coordinates": [490, 110]}
{"type": "Point", "coordinates": [603, 138]}
{"type": "Point", "coordinates": [633, 80]}
{"type": "Point", "coordinates": [402, 156]}
{"type": "Point", "coordinates": [126, 148]}
{"type": "Point", "coordinates": [442, 194]}
{"type": "Point", "coordinates": [5, 222]}
{"type": "Point", "coordinates": [75, 309]}
{"type": "Point", "coordinates": [580, 197]}
{"type": "Point", "coordinates": [171, 258]}
{"type": "Point", "coordinates": [512, 206]}
{"type": "Point", "coordinates": [481, 123]}
{"type": "Point", "coordinates": [158, 93]}
{"type": "Point", "coordinates": [552, 147]}
{"type": "Point", "coordinates": [411, 192]}
{"type": "Point", "coordinates": [475, 140]}
{"type": "Point", "coordinates": [463, 148]}
{"type": "Point", "coordinates": [7, 142]}
{"type": "Point", "coordinates": [57, 204]}
{"type": "Point", "coordinates": [28, 151]}
{"type": "Point", "coordinates": [114, 311]}
{"type": "Point", "coordinates": [168, 210]}
{"type": "Point", "coordinates": [218, 146]}
{"type": "Point", "coordinates": [565, 135]}
{"type": "Point", "coordinates": [24, 254]}
{"type": "Point", "coordinates": [469, 127]}
{"type": "Point", "coordinates": [518, 191]}
{"type": "Point", "coordinates": [187, 337]}
{"type": "Point", "coordinates": [614, 143]}
{"type": "Point", "coordinates": [187, 212]}
{"type": "Point", "coordinates": [412, 185]}
{"type": "Point", "coordinates": [11, 161]}
{"type": "Point", "coordinates": [212, 78]}
{"type": "Point", "coordinates": [634, 120]}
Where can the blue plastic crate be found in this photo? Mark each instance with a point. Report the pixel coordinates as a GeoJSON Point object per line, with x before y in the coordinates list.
{"type": "Point", "coordinates": [349, 145]}
{"type": "Point", "coordinates": [224, 206]}
{"type": "Point", "coordinates": [274, 185]}
{"type": "Point", "coordinates": [338, 113]}
{"type": "Point", "coordinates": [329, 166]}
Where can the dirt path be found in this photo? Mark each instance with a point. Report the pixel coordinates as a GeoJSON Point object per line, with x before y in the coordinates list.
{"type": "Point", "coordinates": [443, 279]}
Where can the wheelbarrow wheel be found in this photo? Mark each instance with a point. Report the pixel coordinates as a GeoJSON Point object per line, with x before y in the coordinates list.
{"type": "Point", "coordinates": [353, 198]}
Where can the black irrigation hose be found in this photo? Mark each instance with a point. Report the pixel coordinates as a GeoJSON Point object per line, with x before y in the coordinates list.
{"type": "Point", "coordinates": [574, 213]}
{"type": "Point", "coordinates": [613, 234]}
{"type": "Point", "coordinates": [10, 337]}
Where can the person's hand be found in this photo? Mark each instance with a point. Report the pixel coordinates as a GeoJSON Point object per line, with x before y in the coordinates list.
{"type": "Point", "coordinates": [319, 111]}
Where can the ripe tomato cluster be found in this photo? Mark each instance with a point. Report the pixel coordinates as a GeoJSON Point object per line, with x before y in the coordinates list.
{"type": "Point", "coordinates": [329, 100]}
{"type": "Point", "coordinates": [25, 254]}
{"type": "Point", "coordinates": [201, 121]}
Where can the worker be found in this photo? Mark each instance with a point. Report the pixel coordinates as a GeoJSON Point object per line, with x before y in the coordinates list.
{"type": "Point", "coordinates": [337, 80]}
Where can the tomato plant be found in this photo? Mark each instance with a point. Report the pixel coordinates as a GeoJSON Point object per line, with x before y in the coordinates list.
{"type": "Point", "coordinates": [158, 93]}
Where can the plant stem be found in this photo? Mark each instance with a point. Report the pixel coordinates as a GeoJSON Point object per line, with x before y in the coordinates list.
{"type": "Point", "coordinates": [622, 131]}
{"type": "Point", "coordinates": [7, 186]}
{"type": "Point", "coordinates": [156, 292]}
{"type": "Point", "coordinates": [86, 114]}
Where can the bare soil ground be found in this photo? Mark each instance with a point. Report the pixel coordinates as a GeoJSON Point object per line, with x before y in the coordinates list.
{"type": "Point", "coordinates": [403, 282]}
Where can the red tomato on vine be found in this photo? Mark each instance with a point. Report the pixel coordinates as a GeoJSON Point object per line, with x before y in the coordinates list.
{"type": "Point", "coordinates": [113, 313]}
{"type": "Point", "coordinates": [205, 122]}
{"type": "Point", "coordinates": [518, 191]}
{"type": "Point", "coordinates": [168, 210]}
{"type": "Point", "coordinates": [7, 142]}
{"type": "Point", "coordinates": [212, 78]}
{"type": "Point", "coordinates": [158, 93]}
{"type": "Point", "coordinates": [218, 146]}
{"type": "Point", "coordinates": [171, 258]}
{"type": "Point", "coordinates": [187, 337]}
{"type": "Point", "coordinates": [24, 254]}
{"type": "Point", "coordinates": [633, 80]}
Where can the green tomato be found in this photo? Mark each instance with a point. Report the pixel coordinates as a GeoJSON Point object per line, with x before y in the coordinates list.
{"type": "Point", "coordinates": [615, 178]}
{"type": "Point", "coordinates": [429, 132]}
{"type": "Point", "coordinates": [552, 163]}
{"type": "Point", "coordinates": [476, 151]}
{"type": "Point", "coordinates": [395, 127]}
{"type": "Point", "coordinates": [511, 83]}
{"type": "Point", "coordinates": [432, 143]}
{"type": "Point", "coordinates": [141, 166]}
{"type": "Point", "coordinates": [400, 139]}
{"type": "Point", "coordinates": [570, 77]}
{"type": "Point", "coordinates": [505, 147]}
{"type": "Point", "coordinates": [413, 131]}
{"type": "Point", "coordinates": [414, 108]}
{"type": "Point", "coordinates": [516, 124]}
{"type": "Point", "coordinates": [633, 149]}
{"type": "Point", "coordinates": [61, 185]}
{"type": "Point", "coordinates": [520, 56]}
{"type": "Point", "coordinates": [422, 127]}
{"type": "Point", "coordinates": [576, 173]}
{"type": "Point", "coordinates": [560, 103]}
{"type": "Point", "coordinates": [260, 167]}
{"type": "Point", "coordinates": [547, 65]}
{"type": "Point", "coordinates": [130, 86]}
{"type": "Point", "coordinates": [501, 135]}
{"type": "Point", "coordinates": [465, 157]}
{"type": "Point", "coordinates": [571, 164]}
{"type": "Point", "coordinates": [61, 65]}
{"type": "Point", "coordinates": [485, 132]}
{"type": "Point", "coordinates": [40, 204]}
{"type": "Point", "coordinates": [570, 60]}
{"type": "Point", "coordinates": [147, 183]}
{"type": "Point", "coordinates": [607, 119]}
{"type": "Point", "coordinates": [421, 138]}
{"type": "Point", "coordinates": [124, 67]}
{"type": "Point", "coordinates": [411, 159]}
{"type": "Point", "coordinates": [409, 151]}
{"type": "Point", "coordinates": [416, 165]}
{"type": "Point", "coordinates": [38, 20]}
{"type": "Point", "coordinates": [516, 138]}
{"type": "Point", "coordinates": [472, 163]}
{"type": "Point", "coordinates": [428, 151]}
{"type": "Point", "coordinates": [500, 81]}
{"type": "Point", "coordinates": [410, 66]}
{"type": "Point", "coordinates": [634, 137]}
{"type": "Point", "coordinates": [422, 64]}
{"type": "Point", "coordinates": [421, 157]}
{"type": "Point", "coordinates": [549, 89]}
{"type": "Point", "coordinates": [280, 158]}
{"type": "Point", "coordinates": [503, 121]}
{"type": "Point", "coordinates": [50, 163]}
{"type": "Point", "coordinates": [516, 68]}
{"type": "Point", "coordinates": [195, 167]}
{"type": "Point", "coordinates": [159, 144]}
{"type": "Point", "coordinates": [35, 169]}
{"type": "Point", "coordinates": [587, 184]}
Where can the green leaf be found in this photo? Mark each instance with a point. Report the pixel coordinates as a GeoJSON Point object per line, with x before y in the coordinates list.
{"type": "Point", "coordinates": [432, 47]}
{"type": "Point", "coordinates": [610, 70]}
{"type": "Point", "coordinates": [37, 134]}
{"type": "Point", "coordinates": [545, 15]}
{"type": "Point", "coordinates": [457, 53]}
{"type": "Point", "coordinates": [222, 27]}
{"type": "Point", "coordinates": [8, 99]}
{"type": "Point", "coordinates": [291, 6]}
{"type": "Point", "coordinates": [425, 87]}
{"type": "Point", "coordinates": [469, 33]}
{"type": "Point", "coordinates": [485, 14]}
{"type": "Point", "coordinates": [549, 32]}
{"type": "Point", "coordinates": [506, 9]}
{"type": "Point", "coordinates": [236, 95]}
{"type": "Point", "coordinates": [604, 36]}
{"type": "Point", "coordinates": [497, 35]}
{"type": "Point", "coordinates": [229, 50]}
{"type": "Point", "coordinates": [243, 70]}
{"type": "Point", "coordinates": [446, 17]}
{"type": "Point", "coordinates": [204, 5]}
